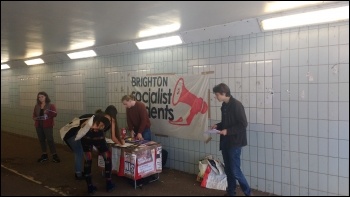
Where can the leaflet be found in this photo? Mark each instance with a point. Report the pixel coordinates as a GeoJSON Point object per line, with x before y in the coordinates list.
{"type": "Point", "coordinates": [215, 131]}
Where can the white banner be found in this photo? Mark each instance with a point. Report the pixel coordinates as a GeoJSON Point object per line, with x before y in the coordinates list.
{"type": "Point", "coordinates": [177, 105]}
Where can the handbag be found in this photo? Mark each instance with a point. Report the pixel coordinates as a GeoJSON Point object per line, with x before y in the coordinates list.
{"type": "Point", "coordinates": [82, 132]}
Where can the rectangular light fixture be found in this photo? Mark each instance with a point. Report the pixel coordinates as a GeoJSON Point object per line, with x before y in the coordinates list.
{"type": "Point", "coordinates": [160, 42]}
{"type": "Point", "coordinates": [34, 61]}
{"type": "Point", "coordinates": [4, 66]}
{"type": "Point", "coordinates": [307, 18]}
{"type": "Point", "coordinates": [82, 54]}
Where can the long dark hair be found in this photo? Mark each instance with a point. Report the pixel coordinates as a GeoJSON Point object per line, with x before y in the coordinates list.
{"type": "Point", "coordinates": [47, 99]}
{"type": "Point", "coordinates": [112, 111]}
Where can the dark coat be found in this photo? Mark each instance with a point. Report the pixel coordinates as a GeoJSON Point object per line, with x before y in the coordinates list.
{"type": "Point", "coordinates": [235, 121]}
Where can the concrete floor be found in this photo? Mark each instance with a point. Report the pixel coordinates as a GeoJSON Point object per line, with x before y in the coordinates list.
{"type": "Point", "coordinates": [22, 175]}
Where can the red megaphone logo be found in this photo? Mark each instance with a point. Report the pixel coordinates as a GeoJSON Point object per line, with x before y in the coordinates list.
{"type": "Point", "coordinates": [182, 95]}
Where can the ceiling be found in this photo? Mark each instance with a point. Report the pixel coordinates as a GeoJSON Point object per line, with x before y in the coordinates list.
{"type": "Point", "coordinates": [43, 28]}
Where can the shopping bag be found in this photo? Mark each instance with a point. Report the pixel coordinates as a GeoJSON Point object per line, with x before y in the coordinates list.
{"type": "Point", "coordinates": [82, 132]}
{"type": "Point", "coordinates": [202, 165]}
{"type": "Point", "coordinates": [74, 123]}
{"type": "Point", "coordinates": [214, 176]}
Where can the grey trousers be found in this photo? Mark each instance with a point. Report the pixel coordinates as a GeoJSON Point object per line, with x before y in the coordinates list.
{"type": "Point", "coordinates": [46, 134]}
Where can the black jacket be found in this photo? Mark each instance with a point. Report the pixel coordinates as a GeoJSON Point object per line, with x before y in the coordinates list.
{"type": "Point", "coordinates": [233, 119]}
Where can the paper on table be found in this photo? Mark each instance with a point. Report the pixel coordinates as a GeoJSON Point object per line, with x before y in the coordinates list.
{"type": "Point", "coordinates": [212, 131]}
{"type": "Point", "coordinates": [124, 145]}
{"type": "Point", "coordinates": [109, 141]}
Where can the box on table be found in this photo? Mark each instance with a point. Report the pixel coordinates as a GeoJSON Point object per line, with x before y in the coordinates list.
{"type": "Point", "coordinates": [136, 162]}
{"type": "Point", "coordinates": [142, 161]}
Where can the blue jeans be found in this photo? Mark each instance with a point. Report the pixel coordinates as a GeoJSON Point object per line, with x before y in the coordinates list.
{"type": "Point", "coordinates": [233, 171]}
{"type": "Point", "coordinates": [78, 154]}
{"type": "Point", "coordinates": [147, 135]}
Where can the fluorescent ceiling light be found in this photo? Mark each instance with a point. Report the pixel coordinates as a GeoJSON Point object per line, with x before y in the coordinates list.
{"type": "Point", "coordinates": [34, 61]}
{"type": "Point", "coordinates": [4, 66]}
{"type": "Point", "coordinates": [160, 42]}
{"type": "Point", "coordinates": [307, 18]}
{"type": "Point", "coordinates": [81, 45]}
{"type": "Point", "coordinates": [276, 6]}
{"type": "Point", "coordinates": [159, 30]}
{"type": "Point", "coordinates": [82, 54]}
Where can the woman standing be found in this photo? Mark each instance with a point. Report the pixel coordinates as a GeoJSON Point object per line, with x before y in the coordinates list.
{"type": "Point", "coordinates": [43, 115]}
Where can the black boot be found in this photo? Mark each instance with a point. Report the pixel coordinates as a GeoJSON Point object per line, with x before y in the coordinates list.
{"type": "Point", "coordinates": [92, 189]}
{"type": "Point", "coordinates": [110, 186]}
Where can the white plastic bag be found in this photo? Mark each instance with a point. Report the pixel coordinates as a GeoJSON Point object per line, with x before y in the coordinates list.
{"type": "Point", "coordinates": [214, 176]}
{"type": "Point", "coordinates": [82, 132]}
{"type": "Point", "coordinates": [74, 123]}
{"type": "Point", "coordinates": [202, 165]}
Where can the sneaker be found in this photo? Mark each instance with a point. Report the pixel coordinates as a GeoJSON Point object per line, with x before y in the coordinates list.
{"type": "Point", "coordinates": [79, 177]}
{"type": "Point", "coordinates": [92, 189]}
{"type": "Point", "coordinates": [43, 158]}
{"type": "Point", "coordinates": [110, 186]}
{"type": "Point", "coordinates": [55, 158]}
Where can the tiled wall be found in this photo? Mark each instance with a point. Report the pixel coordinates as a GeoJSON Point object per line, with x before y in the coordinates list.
{"type": "Point", "coordinates": [293, 83]}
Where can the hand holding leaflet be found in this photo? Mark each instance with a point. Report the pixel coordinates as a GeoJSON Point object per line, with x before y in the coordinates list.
{"type": "Point", "coordinates": [215, 131]}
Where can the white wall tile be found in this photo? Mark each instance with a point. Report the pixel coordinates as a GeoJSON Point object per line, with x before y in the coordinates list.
{"type": "Point", "coordinates": [323, 55]}
{"type": "Point", "coordinates": [295, 177]}
{"type": "Point", "coordinates": [313, 37]}
{"type": "Point", "coordinates": [333, 184]}
{"type": "Point", "coordinates": [313, 145]}
{"type": "Point", "coordinates": [239, 47]}
{"type": "Point", "coordinates": [344, 34]}
{"type": "Point", "coordinates": [303, 39]}
{"type": "Point", "coordinates": [284, 75]}
{"type": "Point", "coordinates": [294, 74]}
{"type": "Point", "coordinates": [333, 35]}
{"type": "Point", "coordinates": [285, 41]}
{"type": "Point", "coordinates": [294, 57]}
{"type": "Point", "coordinates": [285, 58]}
{"type": "Point", "coordinates": [344, 130]}
{"type": "Point", "coordinates": [344, 53]}
{"type": "Point", "coordinates": [343, 149]}
{"type": "Point", "coordinates": [334, 55]}
{"type": "Point", "coordinates": [277, 43]}
{"type": "Point", "coordinates": [343, 110]}
{"type": "Point", "coordinates": [344, 186]}
{"type": "Point", "coordinates": [260, 44]}
{"type": "Point", "coordinates": [322, 182]}
{"type": "Point", "coordinates": [322, 92]}
{"type": "Point", "coordinates": [293, 40]}
{"type": "Point", "coordinates": [268, 43]}
{"type": "Point", "coordinates": [333, 164]}
{"type": "Point", "coordinates": [323, 37]}
{"type": "Point", "coordinates": [344, 92]}
{"type": "Point", "coordinates": [344, 73]}
{"type": "Point", "coordinates": [303, 57]}
{"type": "Point", "coordinates": [269, 156]}
{"type": "Point", "coordinates": [303, 144]}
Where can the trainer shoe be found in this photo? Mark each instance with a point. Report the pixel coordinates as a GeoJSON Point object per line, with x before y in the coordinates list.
{"type": "Point", "coordinates": [55, 158]}
{"type": "Point", "coordinates": [43, 158]}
